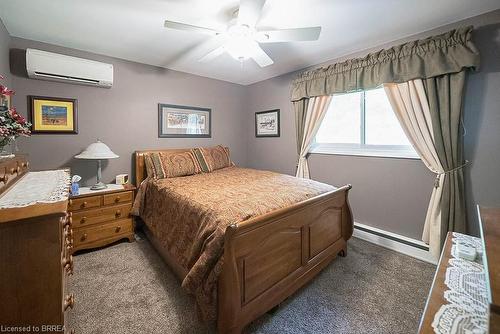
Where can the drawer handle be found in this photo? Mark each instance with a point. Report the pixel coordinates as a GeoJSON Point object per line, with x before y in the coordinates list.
{"type": "Point", "coordinates": [84, 204]}
{"type": "Point", "coordinates": [118, 213]}
{"type": "Point", "coordinates": [68, 265]}
{"type": "Point", "coordinates": [67, 262]}
{"type": "Point", "coordinates": [117, 199]}
{"type": "Point", "coordinates": [69, 270]}
{"type": "Point", "coordinates": [67, 222]}
{"type": "Point", "coordinates": [83, 220]}
{"type": "Point", "coordinates": [69, 301]}
{"type": "Point", "coordinates": [84, 237]}
{"type": "Point", "coordinates": [118, 229]}
{"type": "Point", "coordinates": [4, 178]}
{"type": "Point", "coordinates": [68, 233]}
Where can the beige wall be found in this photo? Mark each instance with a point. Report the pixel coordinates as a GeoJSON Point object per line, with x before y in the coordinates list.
{"type": "Point", "coordinates": [125, 117]}
{"type": "Point", "coordinates": [4, 54]}
{"type": "Point", "coordinates": [393, 194]}
{"type": "Point", "coordinates": [482, 121]}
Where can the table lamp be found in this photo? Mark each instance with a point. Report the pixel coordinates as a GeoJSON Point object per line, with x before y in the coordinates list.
{"type": "Point", "coordinates": [97, 151]}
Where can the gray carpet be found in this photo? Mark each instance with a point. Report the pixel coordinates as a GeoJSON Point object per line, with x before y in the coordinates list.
{"type": "Point", "coordinates": [126, 288]}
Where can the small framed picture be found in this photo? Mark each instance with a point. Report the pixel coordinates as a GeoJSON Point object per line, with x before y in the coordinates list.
{"type": "Point", "coordinates": [53, 115]}
{"type": "Point", "coordinates": [176, 121]}
{"type": "Point", "coordinates": [5, 103]}
{"type": "Point", "coordinates": [267, 123]}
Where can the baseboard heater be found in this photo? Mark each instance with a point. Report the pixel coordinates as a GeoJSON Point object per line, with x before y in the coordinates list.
{"type": "Point", "coordinates": [391, 236]}
{"type": "Point", "coordinates": [399, 243]}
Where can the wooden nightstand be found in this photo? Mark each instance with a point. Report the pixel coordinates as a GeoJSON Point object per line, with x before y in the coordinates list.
{"type": "Point", "coordinates": [101, 217]}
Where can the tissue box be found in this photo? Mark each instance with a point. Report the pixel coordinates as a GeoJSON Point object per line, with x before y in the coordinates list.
{"type": "Point", "coordinates": [75, 188]}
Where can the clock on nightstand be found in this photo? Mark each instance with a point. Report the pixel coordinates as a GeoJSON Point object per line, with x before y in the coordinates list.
{"type": "Point", "coordinates": [100, 217]}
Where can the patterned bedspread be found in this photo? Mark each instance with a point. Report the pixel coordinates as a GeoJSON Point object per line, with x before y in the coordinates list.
{"type": "Point", "coordinates": [189, 216]}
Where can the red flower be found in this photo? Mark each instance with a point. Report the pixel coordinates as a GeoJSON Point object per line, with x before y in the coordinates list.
{"type": "Point", "coordinates": [16, 117]}
{"type": "Point", "coordinates": [21, 120]}
{"type": "Point", "coordinates": [13, 112]}
{"type": "Point", "coordinates": [6, 91]}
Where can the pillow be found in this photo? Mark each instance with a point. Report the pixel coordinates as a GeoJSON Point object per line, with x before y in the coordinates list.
{"type": "Point", "coordinates": [150, 170]}
{"type": "Point", "coordinates": [213, 158]}
{"type": "Point", "coordinates": [171, 164]}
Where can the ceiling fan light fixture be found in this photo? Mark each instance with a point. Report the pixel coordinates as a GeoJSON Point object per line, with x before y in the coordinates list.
{"type": "Point", "coordinates": [240, 48]}
{"type": "Point", "coordinates": [241, 40]}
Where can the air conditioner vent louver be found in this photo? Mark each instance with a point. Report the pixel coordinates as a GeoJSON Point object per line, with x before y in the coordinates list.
{"type": "Point", "coordinates": [56, 67]}
{"type": "Point", "coordinates": [66, 77]}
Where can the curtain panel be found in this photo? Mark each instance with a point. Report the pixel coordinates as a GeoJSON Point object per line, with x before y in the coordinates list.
{"type": "Point", "coordinates": [309, 116]}
{"type": "Point", "coordinates": [445, 96]}
{"type": "Point", "coordinates": [429, 112]}
{"type": "Point", "coordinates": [451, 52]}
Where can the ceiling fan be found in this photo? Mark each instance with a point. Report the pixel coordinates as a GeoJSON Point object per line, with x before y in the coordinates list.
{"type": "Point", "coordinates": [241, 38]}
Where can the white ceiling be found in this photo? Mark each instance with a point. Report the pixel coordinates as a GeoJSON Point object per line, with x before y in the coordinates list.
{"type": "Point", "coordinates": [133, 29]}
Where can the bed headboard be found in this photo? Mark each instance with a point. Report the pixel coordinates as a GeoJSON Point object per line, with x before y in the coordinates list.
{"type": "Point", "coordinates": [140, 165]}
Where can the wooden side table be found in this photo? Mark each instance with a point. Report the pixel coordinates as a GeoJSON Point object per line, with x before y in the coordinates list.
{"type": "Point", "coordinates": [101, 217]}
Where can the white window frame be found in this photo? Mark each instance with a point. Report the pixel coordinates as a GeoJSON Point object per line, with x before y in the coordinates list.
{"type": "Point", "coordinates": [385, 151]}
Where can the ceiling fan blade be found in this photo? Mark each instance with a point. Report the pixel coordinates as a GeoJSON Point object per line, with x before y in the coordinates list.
{"type": "Point", "coordinates": [212, 55]}
{"type": "Point", "coordinates": [250, 11]}
{"type": "Point", "coordinates": [260, 56]}
{"type": "Point", "coordinates": [288, 35]}
{"type": "Point", "coordinates": [188, 27]}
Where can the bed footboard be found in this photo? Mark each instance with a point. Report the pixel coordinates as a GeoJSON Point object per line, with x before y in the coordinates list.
{"type": "Point", "coordinates": [266, 259]}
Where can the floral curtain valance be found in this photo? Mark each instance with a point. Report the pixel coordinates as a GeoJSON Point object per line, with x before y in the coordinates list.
{"type": "Point", "coordinates": [434, 56]}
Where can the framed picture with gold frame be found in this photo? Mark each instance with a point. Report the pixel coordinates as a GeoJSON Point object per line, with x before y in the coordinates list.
{"type": "Point", "coordinates": [53, 115]}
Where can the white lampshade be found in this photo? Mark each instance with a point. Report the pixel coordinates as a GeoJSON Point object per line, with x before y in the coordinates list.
{"type": "Point", "coordinates": [97, 151]}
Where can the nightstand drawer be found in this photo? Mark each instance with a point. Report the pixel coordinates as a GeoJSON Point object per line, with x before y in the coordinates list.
{"type": "Point", "coordinates": [84, 203]}
{"type": "Point", "coordinates": [93, 235]}
{"type": "Point", "coordinates": [94, 216]}
{"type": "Point", "coordinates": [121, 197]}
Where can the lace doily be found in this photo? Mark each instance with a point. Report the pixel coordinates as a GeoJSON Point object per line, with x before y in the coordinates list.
{"type": "Point", "coordinates": [37, 187]}
{"type": "Point", "coordinates": [467, 294]}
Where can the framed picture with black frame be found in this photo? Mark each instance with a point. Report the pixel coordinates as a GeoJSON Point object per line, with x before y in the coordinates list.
{"type": "Point", "coordinates": [53, 115]}
{"type": "Point", "coordinates": [267, 123]}
{"type": "Point", "coordinates": [175, 121]}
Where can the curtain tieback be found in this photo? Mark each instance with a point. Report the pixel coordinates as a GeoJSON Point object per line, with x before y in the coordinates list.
{"type": "Point", "coordinates": [438, 174]}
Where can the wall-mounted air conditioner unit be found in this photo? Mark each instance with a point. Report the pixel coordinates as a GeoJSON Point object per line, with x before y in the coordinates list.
{"type": "Point", "coordinates": [56, 67]}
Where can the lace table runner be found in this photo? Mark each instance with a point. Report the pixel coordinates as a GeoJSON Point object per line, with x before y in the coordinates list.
{"type": "Point", "coordinates": [467, 294]}
{"type": "Point", "coordinates": [37, 187]}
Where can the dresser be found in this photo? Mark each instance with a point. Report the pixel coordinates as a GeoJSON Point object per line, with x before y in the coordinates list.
{"type": "Point", "coordinates": [465, 295]}
{"type": "Point", "coordinates": [35, 247]}
{"type": "Point", "coordinates": [490, 234]}
{"type": "Point", "coordinates": [102, 217]}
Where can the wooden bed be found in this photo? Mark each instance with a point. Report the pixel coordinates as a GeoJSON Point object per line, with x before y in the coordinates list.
{"type": "Point", "coordinates": [269, 257]}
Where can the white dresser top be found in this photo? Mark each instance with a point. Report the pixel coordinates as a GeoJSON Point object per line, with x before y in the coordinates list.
{"type": "Point", "coordinates": [37, 187]}
{"type": "Point", "coordinates": [110, 187]}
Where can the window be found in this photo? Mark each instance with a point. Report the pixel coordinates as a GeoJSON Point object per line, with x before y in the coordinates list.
{"type": "Point", "coordinates": [362, 123]}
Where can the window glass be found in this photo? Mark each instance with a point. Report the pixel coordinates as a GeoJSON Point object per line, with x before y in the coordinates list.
{"type": "Point", "coordinates": [342, 120]}
{"type": "Point", "coordinates": [362, 123]}
{"type": "Point", "coordinates": [381, 124]}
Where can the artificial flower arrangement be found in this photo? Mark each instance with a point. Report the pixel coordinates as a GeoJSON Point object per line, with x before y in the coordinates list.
{"type": "Point", "coordinates": [12, 125]}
